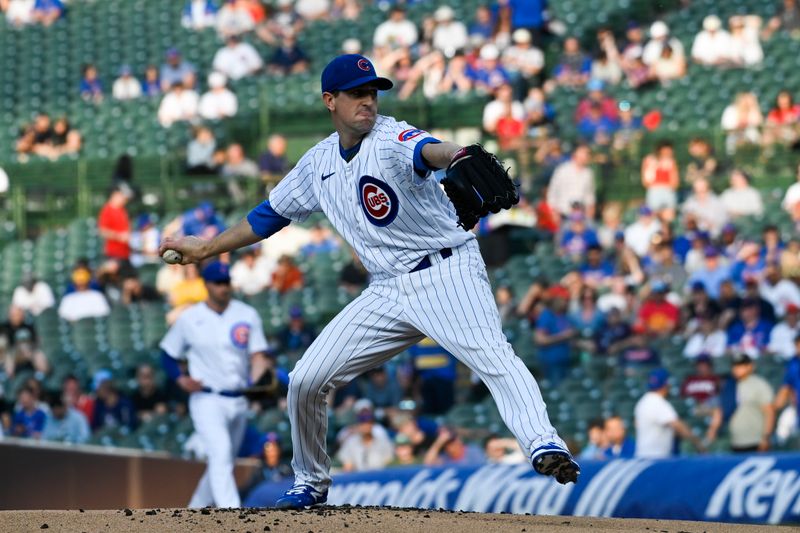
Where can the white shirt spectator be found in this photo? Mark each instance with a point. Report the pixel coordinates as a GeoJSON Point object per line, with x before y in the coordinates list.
{"type": "Point", "coordinates": [252, 279]}
{"type": "Point", "coordinates": [199, 14]}
{"type": "Point", "coordinates": [699, 343]}
{"type": "Point", "coordinates": [218, 105]}
{"type": "Point", "coordinates": [34, 301]}
{"type": "Point", "coordinates": [791, 198]}
{"type": "Point", "coordinates": [780, 295]}
{"type": "Point", "coordinates": [20, 12]}
{"type": "Point", "coordinates": [178, 105]}
{"type": "Point", "coordinates": [709, 212]}
{"type": "Point", "coordinates": [731, 121]}
{"type": "Point", "coordinates": [373, 456]}
{"type": "Point", "coordinates": [287, 241]}
{"type": "Point", "coordinates": [144, 246]}
{"type": "Point", "coordinates": [653, 417]}
{"type": "Point", "coordinates": [712, 45]}
{"type": "Point", "coordinates": [233, 20]}
{"type": "Point", "coordinates": [126, 88]}
{"type": "Point", "coordinates": [237, 61]}
{"type": "Point", "coordinates": [639, 234]}
{"type": "Point", "coordinates": [495, 110]}
{"type": "Point", "coordinates": [781, 340]}
{"type": "Point", "coordinates": [652, 50]}
{"type": "Point", "coordinates": [83, 304]}
{"type": "Point", "coordinates": [4, 182]}
{"type": "Point", "coordinates": [525, 60]}
{"type": "Point", "coordinates": [569, 184]}
{"type": "Point", "coordinates": [742, 202]}
{"type": "Point", "coordinates": [395, 34]}
{"type": "Point", "coordinates": [745, 47]}
{"type": "Point", "coordinates": [312, 9]}
{"type": "Point", "coordinates": [450, 36]}
{"type": "Point", "coordinates": [219, 102]}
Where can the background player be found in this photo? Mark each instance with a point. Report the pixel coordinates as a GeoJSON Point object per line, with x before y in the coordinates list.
{"type": "Point", "coordinates": [372, 178]}
{"type": "Point", "coordinates": [223, 342]}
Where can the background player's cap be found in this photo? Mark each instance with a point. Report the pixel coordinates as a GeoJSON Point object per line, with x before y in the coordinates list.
{"type": "Point", "coordinates": [657, 379]}
{"type": "Point", "coordinates": [217, 272]}
{"type": "Point", "coordinates": [350, 71]}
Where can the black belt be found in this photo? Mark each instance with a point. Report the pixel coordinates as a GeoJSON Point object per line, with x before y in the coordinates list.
{"type": "Point", "coordinates": [226, 393]}
{"type": "Point", "coordinates": [426, 261]}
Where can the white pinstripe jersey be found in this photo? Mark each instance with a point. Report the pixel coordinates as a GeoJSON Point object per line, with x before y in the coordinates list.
{"type": "Point", "coordinates": [389, 214]}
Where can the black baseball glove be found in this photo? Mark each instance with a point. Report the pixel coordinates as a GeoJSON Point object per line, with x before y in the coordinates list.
{"type": "Point", "coordinates": [267, 386]}
{"type": "Point", "coordinates": [477, 184]}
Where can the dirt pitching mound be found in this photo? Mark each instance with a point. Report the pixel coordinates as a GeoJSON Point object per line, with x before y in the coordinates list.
{"type": "Point", "coordinates": [344, 519]}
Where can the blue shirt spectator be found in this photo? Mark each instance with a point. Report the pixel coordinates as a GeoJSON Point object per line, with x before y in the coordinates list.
{"type": "Point", "coordinates": [529, 14]}
{"type": "Point", "coordinates": [202, 220]}
{"type": "Point", "coordinates": [573, 67]}
{"type": "Point", "coordinates": [322, 242]}
{"type": "Point", "coordinates": [791, 380]}
{"type": "Point", "coordinates": [577, 238]}
{"type": "Point", "coordinates": [552, 335]}
{"type": "Point", "coordinates": [639, 352]}
{"type": "Point", "coordinates": [750, 334]}
{"type": "Point", "coordinates": [712, 274]}
{"type": "Point", "coordinates": [597, 274]}
{"type": "Point", "coordinates": [484, 23]}
{"type": "Point", "coordinates": [175, 70]}
{"type": "Point", "coordinates": [47, 12]}
{"type": "Point", "coordinates": [91, 88]}
{"type": "Point", "coordinates": [28, 420]}
{"type": "Point", "coordinates": [624, 451]}
{"type": "Point", "coordinates": [111, 413]}
{"type": "Point", "coordinates": [65, 424]}
{"type": "Point", "coordinates": [597, 128]}
{"type": "Point", "coordinates": [151, 84]}
{"type": "Point", "coordinates": [434, 370]}
{"type": "Point", "coordinates": [488, 75]}
{"type": "Point", "coordinates": [111, 409]}
{"type": "Point", "coordinates": [288, 58]}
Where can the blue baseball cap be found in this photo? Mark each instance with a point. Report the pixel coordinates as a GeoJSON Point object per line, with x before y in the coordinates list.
{"type": "Point", "coordinates": [217, 272]}
{"type": "Point", "coordinates": [657, 378]}
{"type": "Point", "coordinates": [350, 71]}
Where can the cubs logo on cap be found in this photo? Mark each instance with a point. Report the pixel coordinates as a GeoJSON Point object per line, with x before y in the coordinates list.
{"type": "Point", "coordinates": [240, 334]}
{"type": "Point", "coordinates": [350, 71]}
{"type": "Point", "coordinates": [378, 201]}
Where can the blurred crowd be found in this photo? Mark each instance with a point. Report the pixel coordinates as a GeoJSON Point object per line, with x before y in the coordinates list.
{"type": "Point", "coordinates": [682, 264]}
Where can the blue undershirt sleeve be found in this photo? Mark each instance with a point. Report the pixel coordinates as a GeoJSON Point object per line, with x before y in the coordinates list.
{"type": "Point", "coordinates": [170, 366]}
{"type": "Point", "coordinates": [422, 167]}
{"type": "Point", "coordinates": [265, 221]}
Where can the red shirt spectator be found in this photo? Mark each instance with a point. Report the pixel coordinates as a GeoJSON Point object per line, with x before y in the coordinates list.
{"type": "Point", "coordinates": [608, 105]}
{"type": "Point", "coordinates": [287, 276]}
{"type": "Point", "coordinates": [546, 217]}
{"type": "Point", "coordinates": [509, 131]}
{"type": "Point", "coordinates": [657, 315]}
{"type": "Point", "coordinates": [114, 225]}
{"type": "Point", "coordinates": [703, 384]}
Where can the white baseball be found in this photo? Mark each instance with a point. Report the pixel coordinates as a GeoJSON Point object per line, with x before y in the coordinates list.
{"type": "Point", "coordinates": [173, 257]}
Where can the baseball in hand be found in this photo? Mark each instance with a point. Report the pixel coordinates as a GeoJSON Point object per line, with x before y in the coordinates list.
{"type": "Point", "coordinates": [173, 257]}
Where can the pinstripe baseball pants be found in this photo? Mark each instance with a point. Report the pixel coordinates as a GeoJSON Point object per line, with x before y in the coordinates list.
{"type": "Point", "coordinates": [450, 302]}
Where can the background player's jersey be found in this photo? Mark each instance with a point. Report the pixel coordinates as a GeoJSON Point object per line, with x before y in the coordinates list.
{"type": "Point", "coordinates": [218, 347]}
{"type": "Point", "coordinates": [389, 214]}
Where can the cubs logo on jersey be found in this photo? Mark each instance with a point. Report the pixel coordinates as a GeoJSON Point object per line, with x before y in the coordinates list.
{"type": "Point", "coordinates": [407, 135]}
{"type": "Point", "coordinates": [378, 200]}
{"type": "Point", "coordinates": [240, 334]}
